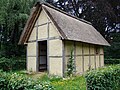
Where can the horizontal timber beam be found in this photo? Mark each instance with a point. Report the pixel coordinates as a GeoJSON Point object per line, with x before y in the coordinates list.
{"type": "Point", "coordinates": [42, 24]}
{"type": "Point", "coordinates": [43, 39]}
{"type": "Point", "coordinates": [55, 56]}
{"type": "Point", "coordinates": [31, 56]}
{"type": "Point", "coordinates": [84, 55]}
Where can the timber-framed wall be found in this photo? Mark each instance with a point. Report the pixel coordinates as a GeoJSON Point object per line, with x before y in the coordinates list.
{"type": "Point", "coordinates": [43, 30]}
{"type": "Point", "coordinates": [58, 50]}
{"type": "Point", "coordinates": [85, 55]}
{"type": "Point", "coordinates": [50, 34]}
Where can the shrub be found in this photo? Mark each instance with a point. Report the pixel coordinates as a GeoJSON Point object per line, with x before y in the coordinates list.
{"type": "Point", "coordinates": [7, 64]}
{"type": "Point", "coordinates": [71, 65]}
{"type": "Point", "coordinates": [112, 61]}
{"type": "Point", "coordinates": [16, 81]}
{"type": "Point", "coordinates": [107, 78]}
{"type": "Point", "coordinates": [3, 80]}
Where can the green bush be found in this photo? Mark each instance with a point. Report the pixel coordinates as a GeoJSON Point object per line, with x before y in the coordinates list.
{"type": "Point", "coordinates": [3, 80]}
{"type": "Point", "coordinates": [107, 78]}
{"type": "Point", "coordinates": [7, 64]}
{"type": "Point", "coordinates": [112, 61]}
{"type": "Point", "coordinates": [71, 65]}
{"type": "Point", "coordinates": [16, 81]}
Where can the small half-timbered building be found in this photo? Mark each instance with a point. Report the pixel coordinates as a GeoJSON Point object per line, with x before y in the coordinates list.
{"type": "Point", "coordinates": [50, 34]}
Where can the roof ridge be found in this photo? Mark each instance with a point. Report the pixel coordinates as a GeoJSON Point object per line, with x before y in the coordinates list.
{"type": "Point", "coordinates": [56, 8]}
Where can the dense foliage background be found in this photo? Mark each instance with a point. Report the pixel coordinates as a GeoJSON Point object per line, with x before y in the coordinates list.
{"type": "Point", "coordinates": [103, 14]}
{"type": "Point", "coordinates": [13, 16]}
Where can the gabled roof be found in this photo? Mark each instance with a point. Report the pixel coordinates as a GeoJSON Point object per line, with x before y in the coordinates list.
{"type": "Point", "coordinates": [70, 27]}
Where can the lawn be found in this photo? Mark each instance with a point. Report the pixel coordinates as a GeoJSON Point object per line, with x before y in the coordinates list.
{"type": "Point", "coordinates": [73, 83]}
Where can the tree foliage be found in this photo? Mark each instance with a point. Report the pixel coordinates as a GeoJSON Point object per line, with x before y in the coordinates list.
{"type": "Point", "coordinates": [13, 16]}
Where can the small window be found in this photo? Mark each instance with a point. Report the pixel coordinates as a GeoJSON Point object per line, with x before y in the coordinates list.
{"type": "Point", "coordinates": [97, 50]}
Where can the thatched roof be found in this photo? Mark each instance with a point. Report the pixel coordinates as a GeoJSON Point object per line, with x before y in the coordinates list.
{"type": "Point", "coordinates": [70, 27]}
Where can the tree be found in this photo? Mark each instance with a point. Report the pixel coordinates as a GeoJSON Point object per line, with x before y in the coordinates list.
{"type": "Point", "coordinates": [13, 16]}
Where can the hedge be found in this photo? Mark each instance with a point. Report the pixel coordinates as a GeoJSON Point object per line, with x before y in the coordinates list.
{"type": "Point", "coordinates": [112, 61]}
{"type": "Point", "coordinates": [16, 81]}
{"type": "Point", "coordinates": [107, 78]}
{"type": "Point", "coordinates": [16, 63]}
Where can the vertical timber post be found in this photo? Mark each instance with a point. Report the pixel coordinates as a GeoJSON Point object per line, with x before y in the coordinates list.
{"type": "Point", "coordinates": [75, 54]}
{"type": "Point", "coordinates": [103, 58]}
{"type": "Point", "coordinates": [99, 57]}
{"type": "Point", "coordinates": [95, 55]}
{"type": "Point", "coordinates": [82, 58]}
{"type": "Point", "coordinates": [63, 57]}
{"type": "Point", "coordinates": [89, 58]}
{"type": "Point", "coordinates": [48, 60]}
{"type": "Point", "coordinates": [37, 47]}
{"type": "Point", "coordinates": [27, 57]}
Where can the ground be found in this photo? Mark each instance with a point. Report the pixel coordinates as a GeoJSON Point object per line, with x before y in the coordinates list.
{"type": "Point", "coordinates": [73, 83]}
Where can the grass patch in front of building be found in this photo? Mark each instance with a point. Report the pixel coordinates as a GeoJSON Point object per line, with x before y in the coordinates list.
{"type": "Point", "coordinates": [72, 83]}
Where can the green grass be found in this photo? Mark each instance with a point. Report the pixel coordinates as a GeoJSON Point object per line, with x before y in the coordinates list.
{"type": "Point", "coordinates": [73, 83]}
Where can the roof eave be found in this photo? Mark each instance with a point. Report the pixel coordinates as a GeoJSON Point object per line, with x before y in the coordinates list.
{"type": "Point", "coordinates": [101, 44]}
